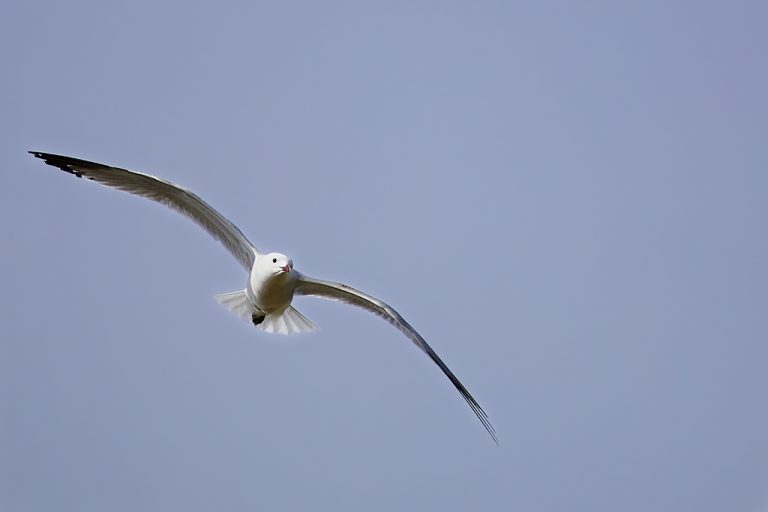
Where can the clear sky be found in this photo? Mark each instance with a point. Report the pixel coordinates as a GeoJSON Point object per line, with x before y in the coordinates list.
{"type": "Point", "coordinates": [567, 199]}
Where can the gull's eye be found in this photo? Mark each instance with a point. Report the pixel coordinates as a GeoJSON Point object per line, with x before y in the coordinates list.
{"type": "Point", "coordinates": [274, 260]}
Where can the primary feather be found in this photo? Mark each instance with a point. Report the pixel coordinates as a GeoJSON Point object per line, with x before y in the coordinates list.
{"type": "Point", "coordinates": [272, 281]}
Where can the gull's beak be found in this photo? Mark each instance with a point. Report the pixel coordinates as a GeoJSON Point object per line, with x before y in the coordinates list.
{"type": "Point", "coordinates": [286, 268]}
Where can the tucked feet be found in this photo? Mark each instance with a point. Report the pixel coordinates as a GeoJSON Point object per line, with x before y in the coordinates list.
{"type": "Point", "coordinates": [257, 318]}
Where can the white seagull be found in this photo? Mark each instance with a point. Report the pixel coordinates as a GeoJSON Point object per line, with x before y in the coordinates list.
{"type": "Point", "coordinates": [272, 282]}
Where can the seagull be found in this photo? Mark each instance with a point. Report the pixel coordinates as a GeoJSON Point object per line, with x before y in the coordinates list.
{"type": "Point", "coordinates": [272, 281]}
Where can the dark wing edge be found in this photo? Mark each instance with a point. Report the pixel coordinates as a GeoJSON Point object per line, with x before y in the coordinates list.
{"type": "Point", "coordinates": [164, 192]}
{"type": "Point", "coordinates": [347, 294]}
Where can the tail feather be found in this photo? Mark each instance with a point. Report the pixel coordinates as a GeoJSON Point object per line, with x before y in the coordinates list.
{"type": "Point", "coordinates": [289, 321]}
{"type": "Point", "coordinates": [237, 302]}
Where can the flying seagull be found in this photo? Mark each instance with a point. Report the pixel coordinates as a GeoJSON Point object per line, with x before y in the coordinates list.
{"type": "Point", "coordinates": [272, 283]}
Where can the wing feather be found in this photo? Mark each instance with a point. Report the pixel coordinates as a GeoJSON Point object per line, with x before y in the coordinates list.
{"type": "Point", "coordinates": [164, 192]}
{"type": "Point", "coordinates": [341, 292]}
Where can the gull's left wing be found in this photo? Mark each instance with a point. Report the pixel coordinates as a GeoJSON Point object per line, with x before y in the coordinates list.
{"type": "Point", "coordinates": [164, 192]}
{"type": "Point", "coordinates": [341, 292]}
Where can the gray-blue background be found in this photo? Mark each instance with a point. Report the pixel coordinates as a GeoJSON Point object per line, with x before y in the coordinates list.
{"type": "Point", "coordinates": [568, 199]}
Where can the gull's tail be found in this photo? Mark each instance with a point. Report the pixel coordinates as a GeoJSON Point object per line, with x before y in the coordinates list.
{"type": "Point", "coordinates": [237, 303]}
{"type": "Point", "coordinates": [289, 321]}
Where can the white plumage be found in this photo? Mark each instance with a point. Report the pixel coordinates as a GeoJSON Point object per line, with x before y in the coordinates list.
{"type": "Point", "coordinates": [272, 281]}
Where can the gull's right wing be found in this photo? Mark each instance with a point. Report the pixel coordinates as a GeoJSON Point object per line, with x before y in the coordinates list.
{"type": "Point", "coordinates": [343, 293]}
{"type": "Point", "coordinates": [164, 192]}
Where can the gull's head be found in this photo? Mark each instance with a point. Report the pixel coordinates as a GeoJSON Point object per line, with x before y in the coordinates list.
{"type": "Point", "coordinates": [276, 263]}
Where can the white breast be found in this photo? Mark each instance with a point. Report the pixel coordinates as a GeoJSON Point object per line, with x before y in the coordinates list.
{"type": "Point", "coordinates": [272, 293]}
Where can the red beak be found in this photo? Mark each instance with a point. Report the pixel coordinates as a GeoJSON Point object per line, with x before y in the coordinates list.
{"type": "Point", "coordinates": [285, 268]}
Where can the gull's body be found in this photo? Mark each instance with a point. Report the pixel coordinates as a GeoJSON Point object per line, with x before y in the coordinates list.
{"type": "Point", "coordinates": [272, 282]}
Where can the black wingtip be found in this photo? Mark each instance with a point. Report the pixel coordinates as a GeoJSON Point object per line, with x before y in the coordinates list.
{"type": "Point", "coordinates": [65, 163]}
{"type": "Point", "coordinates": [38, 154]}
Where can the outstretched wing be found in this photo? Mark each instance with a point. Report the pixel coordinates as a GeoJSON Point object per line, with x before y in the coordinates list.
{"type": "Point", "coordinates": [341, 292]}
{"type": "Point", "coordinates": [156, 189]}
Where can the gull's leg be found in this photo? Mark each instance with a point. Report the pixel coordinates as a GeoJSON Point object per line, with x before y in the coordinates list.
{"type": "Point", "coordinates": [257, 317]}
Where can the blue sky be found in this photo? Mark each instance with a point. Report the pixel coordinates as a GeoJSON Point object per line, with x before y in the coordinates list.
{"type": "Point", "coordinates": [568, 200]}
